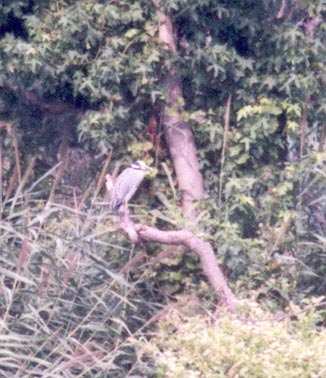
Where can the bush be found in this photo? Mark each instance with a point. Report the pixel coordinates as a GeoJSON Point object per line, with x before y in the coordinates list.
{"type": "Point", "coordinates": [254, 345]}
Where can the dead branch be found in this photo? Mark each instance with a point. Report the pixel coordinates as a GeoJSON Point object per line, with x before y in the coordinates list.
{"type": "Point", "coordinates": [63, 152]}
{"type": "Point", "coordinates": [186, 238]}
{"type": "Point", "coordinates": [29, 172]}
{"type": "Point", "coordinates": [102, 177]}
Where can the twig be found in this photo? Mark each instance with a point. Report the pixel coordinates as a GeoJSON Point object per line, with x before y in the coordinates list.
{"type": "Point", "coordinates": [225, 136]}
{"type": "Point", "coordinates": [102, 176]}
{"type": "Point", "coordinates": [63, 151]}
{"type": "Point", "coordinates": [48, 173]}
{"type": "Point", "coordinates": [28, 172]}
{"type": "Point", "coordinates": [11, 185]}
{"type": "Point", "coordinates": [17, 158]}
{"type": "Point", "coordinates": [303, 123]}
{"type": "Point", "coordinates": [83, 198]}
{"type": "Point", "coordinates": [23, 181]}
{"type": "Point", "coordinates": [169, 176]}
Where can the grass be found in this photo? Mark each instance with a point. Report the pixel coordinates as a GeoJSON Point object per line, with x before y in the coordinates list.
{"type": "Point", "coordinates": [65, 309]}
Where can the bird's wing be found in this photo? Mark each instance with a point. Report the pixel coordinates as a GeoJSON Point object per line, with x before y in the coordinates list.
{"type": "Point", "coordinates": [121, 189]}
{"type": "Point", "coordinates": [125, 187]}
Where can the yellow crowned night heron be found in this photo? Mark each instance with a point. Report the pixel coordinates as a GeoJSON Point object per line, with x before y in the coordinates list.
{"type": "Point", "coordinates": [126, 185]}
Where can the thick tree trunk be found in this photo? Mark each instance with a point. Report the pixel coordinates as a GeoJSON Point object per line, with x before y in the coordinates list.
{"type": "Point", "coordinates": [177, 132]}
{"type": "Point", "coordinates": [183, 152]}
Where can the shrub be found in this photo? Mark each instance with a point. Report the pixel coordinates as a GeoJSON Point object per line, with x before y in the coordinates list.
{"type": "Point", "coordinates": [254, 346]}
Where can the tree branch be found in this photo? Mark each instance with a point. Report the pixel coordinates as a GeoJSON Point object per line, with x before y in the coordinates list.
{"type": "Point", "coordinates": [49, 107]}
{"type": "Point", "coordinates": [203, 250]}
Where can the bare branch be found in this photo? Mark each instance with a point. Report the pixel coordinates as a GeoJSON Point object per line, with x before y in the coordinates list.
{"type": "Point", "coordinates": [204, 251]}
{"type": "Point", "coordinates": [225, 137]}
{"type": "Point", "coordinates": [281, 11]}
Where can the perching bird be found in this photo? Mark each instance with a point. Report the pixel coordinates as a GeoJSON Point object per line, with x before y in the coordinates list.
{"type": "Point", "coordinates": [126, 185]}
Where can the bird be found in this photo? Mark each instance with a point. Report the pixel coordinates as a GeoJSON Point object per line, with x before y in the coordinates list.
{"type": "Point", "coordinates": [126, 185]}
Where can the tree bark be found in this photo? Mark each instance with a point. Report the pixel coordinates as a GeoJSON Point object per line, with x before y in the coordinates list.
{"type": "Point", "coordinates": [177, 132]}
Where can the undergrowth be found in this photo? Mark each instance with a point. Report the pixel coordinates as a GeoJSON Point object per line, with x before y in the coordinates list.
{"type": "Point", "coordinates": [65, 309]}
{"type": "Point", "coordinates": [253, 344]}
{"type": "Point", "coordinates": [70, 306]}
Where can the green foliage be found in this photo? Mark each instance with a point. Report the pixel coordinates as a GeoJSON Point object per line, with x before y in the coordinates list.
{"type": "Point", "coordinates": [101, 57]}
{"type": "Point", "coordinates": [263, 226]}
{"type": "Point", "coordinates": [264, 169]}
{"type": "Point", "coordinates": [274, 72]}
{"type": "Point", "coordinates": [250, 346]}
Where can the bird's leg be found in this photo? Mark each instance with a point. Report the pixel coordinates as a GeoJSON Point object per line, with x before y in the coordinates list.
{"type": "Point", "coordinates": [123, 212]}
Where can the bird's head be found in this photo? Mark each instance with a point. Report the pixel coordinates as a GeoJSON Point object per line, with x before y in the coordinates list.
{"type": "Point", "coordinates": [139, 165]}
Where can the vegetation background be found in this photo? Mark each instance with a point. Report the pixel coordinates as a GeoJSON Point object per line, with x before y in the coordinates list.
{"type": "Point", "coordinates": [85, 85]}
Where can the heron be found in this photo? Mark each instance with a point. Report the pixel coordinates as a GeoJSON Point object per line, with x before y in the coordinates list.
{"type": "Point", "coordinates": [126, 185]}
